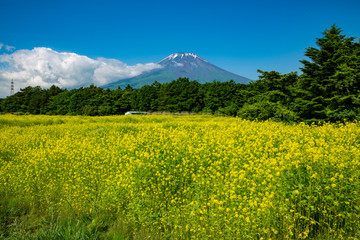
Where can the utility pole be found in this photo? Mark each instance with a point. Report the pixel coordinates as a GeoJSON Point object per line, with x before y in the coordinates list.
{"type": "Point", "coordinates": [12, 87]}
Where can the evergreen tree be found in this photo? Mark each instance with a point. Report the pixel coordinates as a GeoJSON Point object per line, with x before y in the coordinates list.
{"type": "Point", "coordinates": [331, 75]}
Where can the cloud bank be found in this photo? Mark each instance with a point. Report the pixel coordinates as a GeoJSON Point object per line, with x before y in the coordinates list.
{"type": "Point", "coordinates": [45, 67]}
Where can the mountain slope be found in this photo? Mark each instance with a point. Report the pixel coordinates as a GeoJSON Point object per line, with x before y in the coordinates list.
{"type": "Point", "coordinates": [180, 65]}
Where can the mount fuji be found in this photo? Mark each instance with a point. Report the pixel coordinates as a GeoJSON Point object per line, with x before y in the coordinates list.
{"type": "Point", "coordinates": [179, 65]}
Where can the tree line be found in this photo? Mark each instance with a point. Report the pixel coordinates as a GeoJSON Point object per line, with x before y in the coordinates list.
{"type": "Point", "coordinates": [327, 90]}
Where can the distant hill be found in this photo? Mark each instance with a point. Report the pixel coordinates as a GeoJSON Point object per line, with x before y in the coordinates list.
{"type": "Point", "coordinates": [180, 65]}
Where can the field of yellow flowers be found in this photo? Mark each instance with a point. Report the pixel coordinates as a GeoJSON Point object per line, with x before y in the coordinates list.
{"type": "Point", "coordinates": [183, 177]}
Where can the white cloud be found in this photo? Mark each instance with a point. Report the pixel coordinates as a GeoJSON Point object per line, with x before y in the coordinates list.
{"type": "Point", "coordinates": [45, 67]}
{"type": "Point", "coordinates": [9, 48]}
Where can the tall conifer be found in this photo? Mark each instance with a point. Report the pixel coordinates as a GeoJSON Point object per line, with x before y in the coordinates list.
{"type": "Point", "coordinates": [331, 77]}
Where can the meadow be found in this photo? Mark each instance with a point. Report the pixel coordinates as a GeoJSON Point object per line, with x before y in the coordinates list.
{"type": "Point", "coordinates": [177, 177]}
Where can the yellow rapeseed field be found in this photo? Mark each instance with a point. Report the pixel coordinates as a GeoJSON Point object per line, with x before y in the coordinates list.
{"type": "Point", "coordinates": [200, 177]}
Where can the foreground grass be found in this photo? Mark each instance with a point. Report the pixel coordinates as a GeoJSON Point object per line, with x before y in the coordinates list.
{"type": "Point", "coordinates": [171, 177]}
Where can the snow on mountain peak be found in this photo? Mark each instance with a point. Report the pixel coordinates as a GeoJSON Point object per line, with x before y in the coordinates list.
{"type": "Point", "coordinates": [175, 55]}
{"type": "Point", "coordinates": [180, 55]}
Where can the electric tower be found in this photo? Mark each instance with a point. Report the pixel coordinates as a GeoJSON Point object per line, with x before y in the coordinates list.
{"type": "Point", "coordinates": [12, 87]}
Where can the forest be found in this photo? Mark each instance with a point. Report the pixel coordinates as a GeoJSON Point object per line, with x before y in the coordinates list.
{"type": "Point", "coordinates": [328, 90]}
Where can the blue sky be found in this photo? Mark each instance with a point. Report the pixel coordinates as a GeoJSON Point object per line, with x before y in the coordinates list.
{"type": "Point", "coordinates": [239, 36]}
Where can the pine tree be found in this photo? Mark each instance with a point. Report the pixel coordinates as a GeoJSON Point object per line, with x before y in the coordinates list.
{"type": "Point", "coordinates": [330, 78]}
